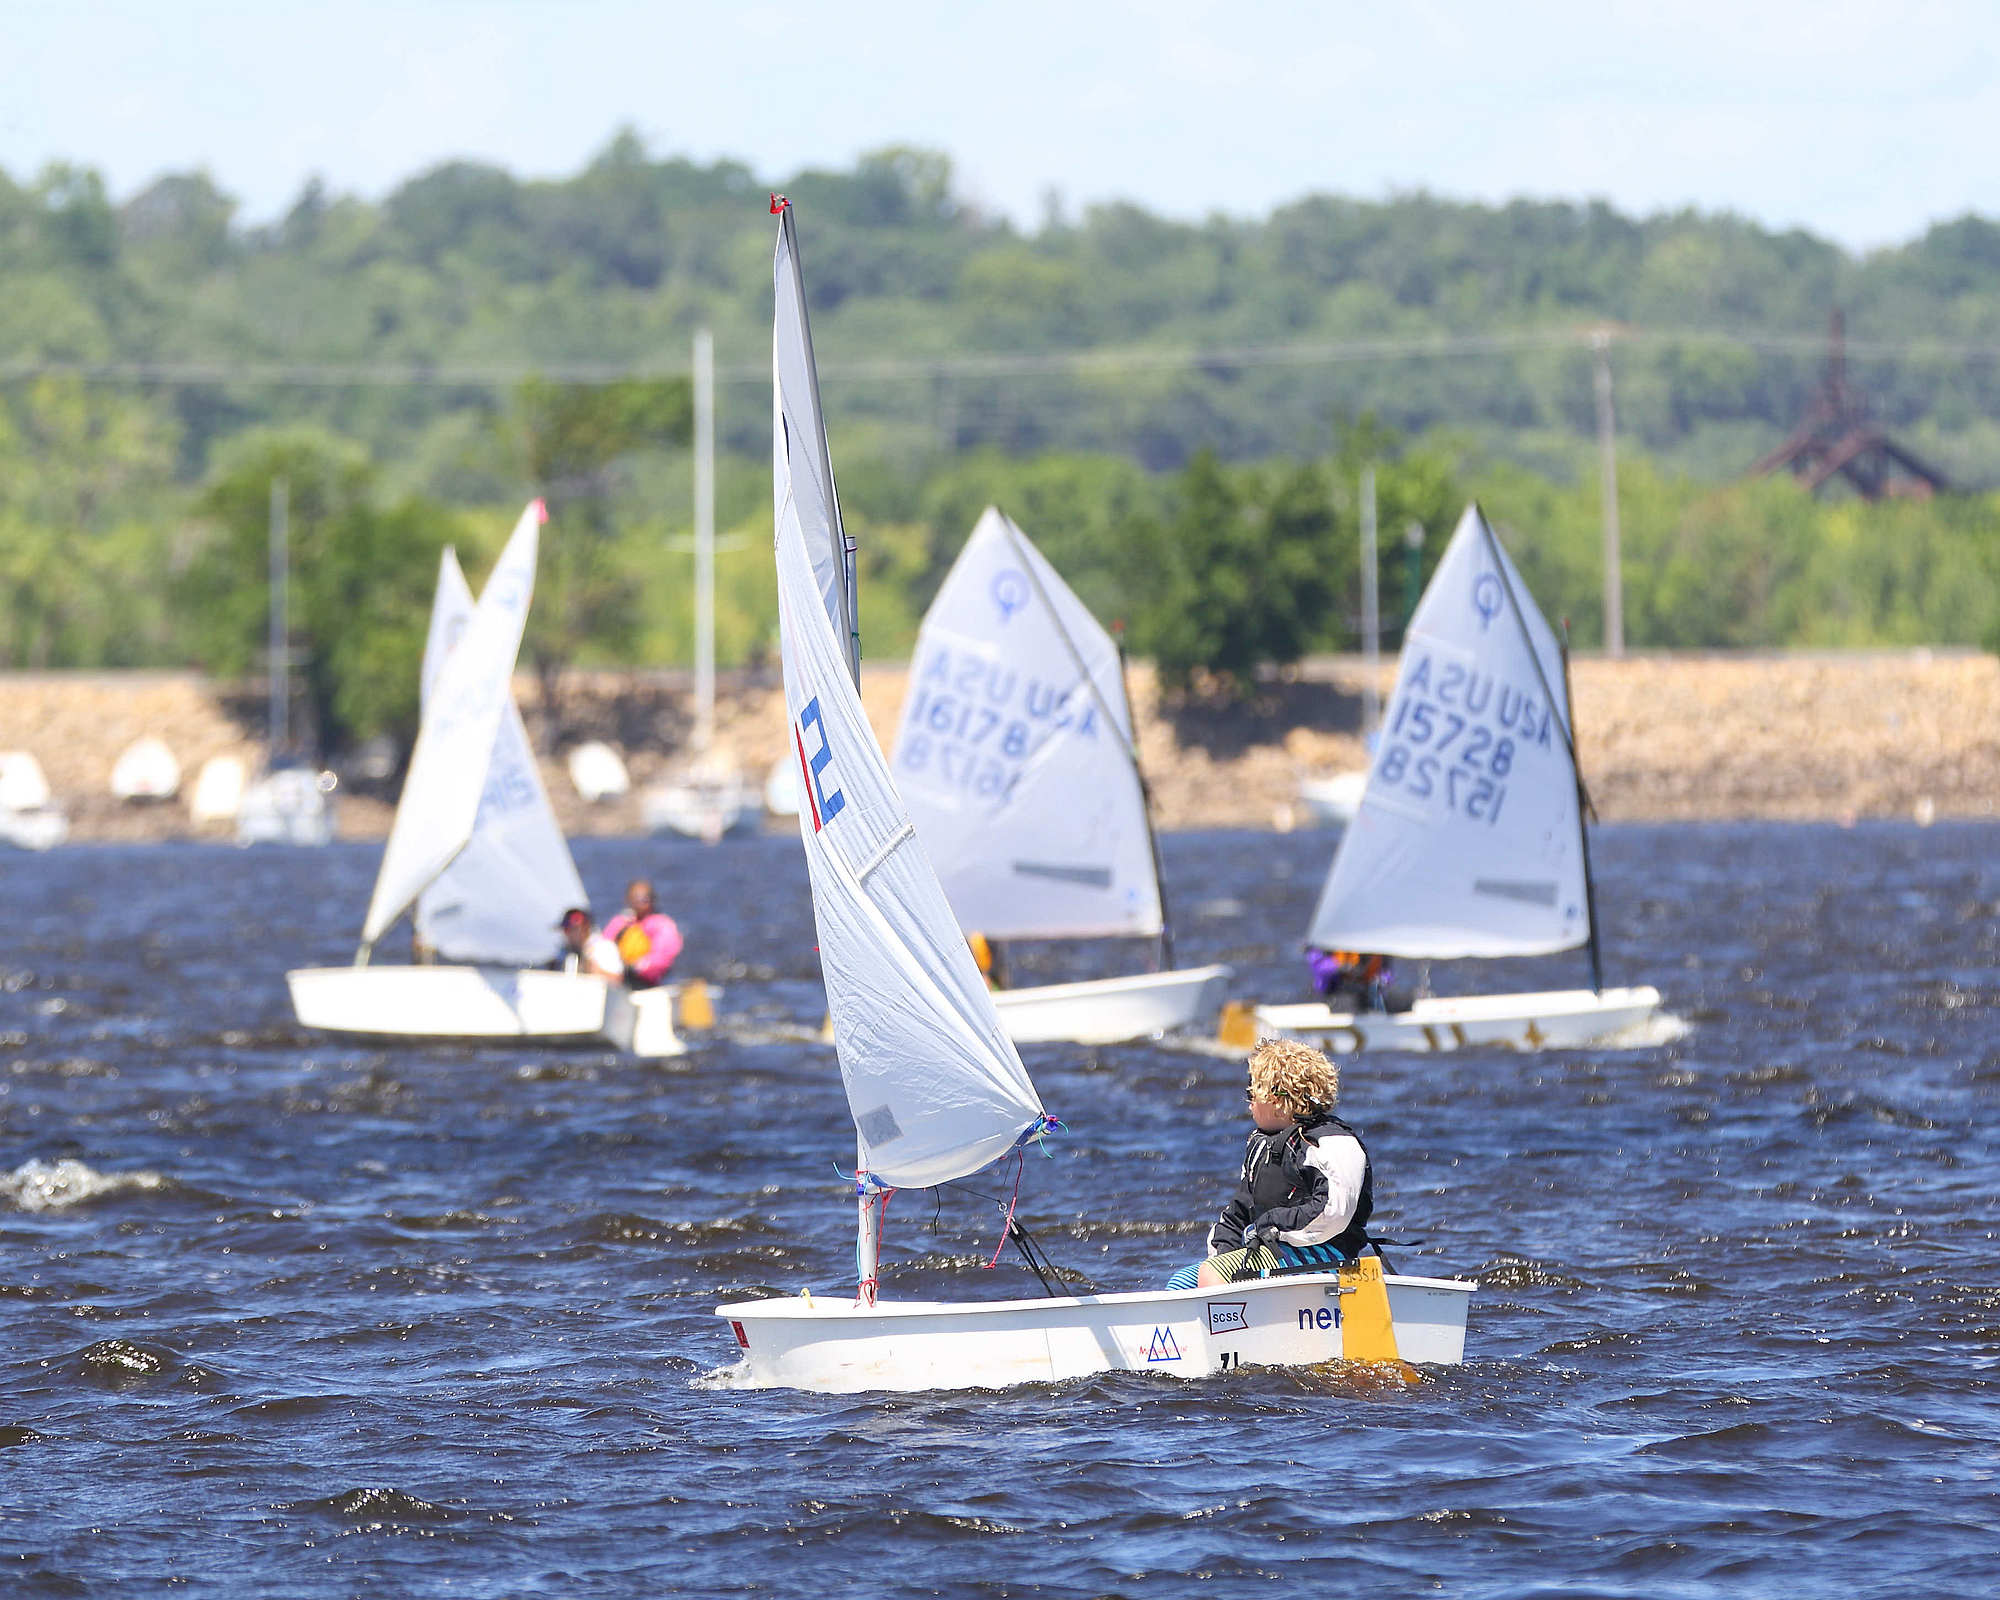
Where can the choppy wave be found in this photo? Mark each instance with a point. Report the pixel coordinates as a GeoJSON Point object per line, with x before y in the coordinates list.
{"type": "Point", "coordinates": [421, 1317]}
{"type": "Point", "coordinates": [56, 1185]}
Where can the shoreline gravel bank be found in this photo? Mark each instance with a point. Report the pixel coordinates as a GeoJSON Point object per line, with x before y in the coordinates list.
{"type": "Point", "coordinates": [1794, 737]}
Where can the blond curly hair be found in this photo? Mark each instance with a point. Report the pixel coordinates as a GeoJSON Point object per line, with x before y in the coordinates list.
{"type": "Point", "coordinates": [1293, 1075]}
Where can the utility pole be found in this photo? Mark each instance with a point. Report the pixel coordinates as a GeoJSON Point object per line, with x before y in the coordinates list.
{"type": "Point", "coordinates": [1607, 451]}
{"type": "Point", "coordinates": [1371, 608]}
{"type": "Point", "coordinates": [704, 539]}
{"type": "Point", "coordinates": [280, 622]}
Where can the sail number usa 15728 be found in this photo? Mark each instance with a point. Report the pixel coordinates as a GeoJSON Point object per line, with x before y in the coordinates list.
{"type": "Point", "coordinates": [1455, 735]}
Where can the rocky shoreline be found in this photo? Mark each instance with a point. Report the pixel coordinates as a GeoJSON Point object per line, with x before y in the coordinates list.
{"type": "Point", "coordinates": [1791, 736]}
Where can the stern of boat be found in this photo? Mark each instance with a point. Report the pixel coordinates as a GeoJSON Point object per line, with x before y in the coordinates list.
{"type": "Point", "coordinates": [1561, 1019]}
{"type": "Point", "coordinates": [1110, 1010]}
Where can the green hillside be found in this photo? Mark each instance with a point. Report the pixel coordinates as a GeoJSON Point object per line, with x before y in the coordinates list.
{"type": "Point", "coordinates": [158, 357]}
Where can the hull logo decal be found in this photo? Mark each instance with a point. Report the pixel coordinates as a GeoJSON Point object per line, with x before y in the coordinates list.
{"type": "Point", "coordinates": [1228, 1316]}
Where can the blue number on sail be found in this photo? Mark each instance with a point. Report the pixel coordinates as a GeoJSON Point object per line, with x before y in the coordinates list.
{"type": "Point", "coordinates": [825, 807]}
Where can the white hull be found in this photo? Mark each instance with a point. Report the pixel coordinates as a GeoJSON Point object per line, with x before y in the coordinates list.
{"type": "Point", "coordinates": [1106, 1010]}
{"type": "Point", "coordinates": [838, 1346]}
{"type": "Point", "coordinates": [1557, 1020]}
{"type": "Point", "coordinates": [1332, 802]}
{"type": "Point", "coordinates": [466, 1003]}
{"type": "Point", "coordinates": [40, 829]}
{"type": "Point", "coordinates": [288, 807]}
{"type": "Point", "coordinates": [653, 1023]}
{"type": "Point", "coordinates": [700, 811]}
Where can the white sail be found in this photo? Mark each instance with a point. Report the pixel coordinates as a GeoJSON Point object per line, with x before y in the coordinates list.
{"type": "Point", "coordinates": [499, 900]}
{"type": "Point", "coordinates": [451, 614]}
{"type": "Point", "coordinates": [801, 467]}
{"type": "Point", "coordinates": [936, 1087]}
{"type": "Point", "coordinates": [453, 756]}
{"type": "Point", "coordinates": [1015, 753]}
{"type": "Point", "coordinates": [1467, 842]}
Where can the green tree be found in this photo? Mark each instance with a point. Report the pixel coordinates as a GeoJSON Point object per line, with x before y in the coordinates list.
{"type": "Point", "coordinates": [575, 437]}
{"type": "Point", "coordinates": [1239, 573]}
{"type": "Point", "coordinates": [83, 471]}
{"type": "Point", "coordinates": [362, 578]}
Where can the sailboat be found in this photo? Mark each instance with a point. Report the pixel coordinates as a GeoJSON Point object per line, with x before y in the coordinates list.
{"type": "Point", "coordinates": [1470, 839]}
{"type": "Point", "coordinates": [477, 858]}
{"type": "Point", "coordinates": [936, 1088]}
{"type": "Point", "coordinates": [1332, 800]}
{"type": "Point", "coordinates": [710, 797]}
{"type": "Point", "coordinates": [1017, 760]}
{"type": "Point", "coordinates": [291, 803]}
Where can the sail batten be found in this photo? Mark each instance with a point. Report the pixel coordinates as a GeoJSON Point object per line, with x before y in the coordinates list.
{"type": "Point", "coordinates": [1015, 754]}
{"type": "Point", "coordinates": [1467, 840]}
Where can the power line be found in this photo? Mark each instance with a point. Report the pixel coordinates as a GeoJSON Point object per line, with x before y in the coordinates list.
{"type": "Point", "coordinates": [1076, 363]}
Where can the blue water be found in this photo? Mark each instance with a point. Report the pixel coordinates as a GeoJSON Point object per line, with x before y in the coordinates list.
{"type": "Point", "coordinates": [315, 1318]}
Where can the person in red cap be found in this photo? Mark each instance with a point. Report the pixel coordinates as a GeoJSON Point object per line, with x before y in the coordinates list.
{"type": "Point", "coordinates": [585, 949]}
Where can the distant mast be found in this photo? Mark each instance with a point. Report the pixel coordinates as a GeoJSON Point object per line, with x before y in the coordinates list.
{"type": "Point", "coordinates": [704, 539]}
{"type": "Point", "coordinates": [281, 628]}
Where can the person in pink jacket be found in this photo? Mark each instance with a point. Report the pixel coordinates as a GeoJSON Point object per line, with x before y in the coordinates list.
{"type": "Point", "coordinates": [647, 939]}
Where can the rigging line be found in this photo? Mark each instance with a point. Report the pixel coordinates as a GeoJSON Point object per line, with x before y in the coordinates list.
{"type": "Point", "coordinates": [1018, 540]}
{"type": "Point", "coordinates": [1534, 655]}
{"type": "Point", "coordinates": [1583, 801]}
{"type": "Point", "coordinates": [1020, 1162]}
{"type": "Point", "coordinates": [1021, 1244]}
{"type": "Point", "coordinates": [1584, 811]}
{"type": "Point", "coordinates": [1017, 1233]}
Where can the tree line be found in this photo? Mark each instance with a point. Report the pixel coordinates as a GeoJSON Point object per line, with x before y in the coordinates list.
{"type": "Point", "coordinates": [414, 368]}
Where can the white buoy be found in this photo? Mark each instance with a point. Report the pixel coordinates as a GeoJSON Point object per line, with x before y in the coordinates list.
{"type": "Point", "coordinates": [598, 772]}
{"type": "Point", "coordinates": [147, 770]}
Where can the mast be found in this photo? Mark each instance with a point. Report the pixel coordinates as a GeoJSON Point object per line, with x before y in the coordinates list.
{"type": "Point", "coordinates": [1145, 805]}
{"type": "Point", "coordinates": [1607, 452]}
{"type": "Point", "coordinates": [280, 652]}
{"type": "Point", "coordinates": [1016, 539]}
{"type": "Point", "coordinates": [1569, 744]}
{"type": "Point", "coordinates": [1371, 610]}
{"type": "Point", "coordinates": [704, 539]}
{"type": "Point", "coordinates": [849, 621]}
{"type": "Point", "coordinates": [1583, 807]}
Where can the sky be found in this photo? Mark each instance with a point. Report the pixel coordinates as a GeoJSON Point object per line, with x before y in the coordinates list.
{"type": "Point", "coordinates": [1862, 123]}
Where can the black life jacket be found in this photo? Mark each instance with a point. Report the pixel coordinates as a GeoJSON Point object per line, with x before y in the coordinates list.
{"type": "Point", "coordinates": [1274, 1169]}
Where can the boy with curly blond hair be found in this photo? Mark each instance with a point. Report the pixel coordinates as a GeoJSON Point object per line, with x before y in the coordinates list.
{"type": "Point", "coordinates": [1306, 1191]}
